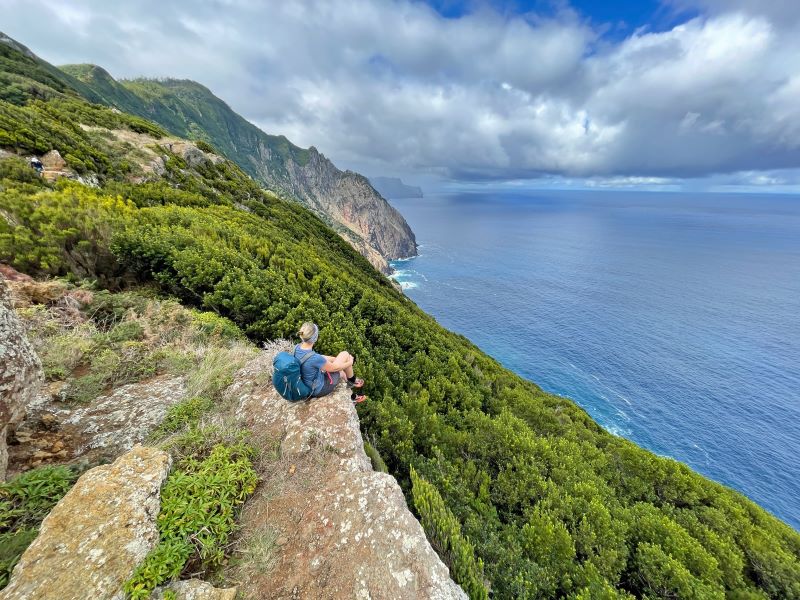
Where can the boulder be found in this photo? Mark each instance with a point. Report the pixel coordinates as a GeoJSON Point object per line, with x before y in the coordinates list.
{"type": "Point", "coordinates": [52, 161]}
{"type": "Point", "coordinates": [20, 371]}
{"type": "Point", "coordinates": [341, 530]}
{"type": "Point", "coordinates": [94, 538]}
{"type": "Point", "coordinates": [194, 589]}
{"type": "Point", "coordinates": [55, 166]}
{"type": "Point", "coordinates": [193, 156]}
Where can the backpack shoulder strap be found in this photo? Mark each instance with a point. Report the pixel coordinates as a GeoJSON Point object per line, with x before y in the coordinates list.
{"type": "Point", "coordinates": [308, 355]}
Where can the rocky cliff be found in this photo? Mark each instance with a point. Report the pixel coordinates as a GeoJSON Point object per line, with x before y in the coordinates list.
{"type": "Point", "coordinates": [349, 203]}
{"type": "Point", "coordinates": [324, 524]}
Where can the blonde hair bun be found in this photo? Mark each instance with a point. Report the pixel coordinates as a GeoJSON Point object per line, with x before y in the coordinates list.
{"type": "Point", "coordinates": [307, 331]}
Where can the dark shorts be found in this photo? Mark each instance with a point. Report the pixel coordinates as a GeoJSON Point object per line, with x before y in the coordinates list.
{"type": "Point", "coordinates": [331, 381]}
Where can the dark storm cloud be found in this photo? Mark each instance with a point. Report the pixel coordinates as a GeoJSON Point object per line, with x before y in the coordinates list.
{"type": "Point", "coordinates": [393, 86]}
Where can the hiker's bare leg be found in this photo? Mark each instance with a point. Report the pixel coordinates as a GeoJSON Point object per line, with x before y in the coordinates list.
{"type": "Point", "coordinates": [346, 360]}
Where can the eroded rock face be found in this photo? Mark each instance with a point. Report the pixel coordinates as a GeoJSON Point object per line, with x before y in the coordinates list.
{"type": "Point", "coordinates": [342, 530]}
{"type": "Point", "coordinates": [91, 542]}
{"type": "Point", "coordinates": [53, 161]}
{"type": "Point", "coordinates": [20, 371]}
{"type": "Point", "coordinates": [55, 166]}
{"type": "Point", "coordinates": [345, 199]}
{"type": "Point", "coordinates": [55, 432]}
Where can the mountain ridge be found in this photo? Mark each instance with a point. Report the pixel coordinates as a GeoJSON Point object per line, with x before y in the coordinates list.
{"type": "Point", "coordinates": [344, 199]}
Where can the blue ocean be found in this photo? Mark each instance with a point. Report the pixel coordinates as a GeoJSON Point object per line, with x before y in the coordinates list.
{"type": "Point", "coordinates": [673, 319]}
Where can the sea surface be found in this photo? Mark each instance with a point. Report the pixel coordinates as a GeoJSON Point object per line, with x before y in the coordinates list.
{"type": "Point", "coordinates": [673, 319]}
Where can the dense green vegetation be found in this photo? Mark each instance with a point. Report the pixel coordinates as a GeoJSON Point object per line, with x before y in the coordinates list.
{"type": "Point", "coordinates": [554, 505]}
{"type": "Point", "coordinates": [25, 501]}
{"type": "Point", "coordinates": [444, 531]}
{"type": "Point", "coordinates": [23, 76]}
{"type": "Point", "coordinates": [40, 126]}
{"type": "Point", "coordinates": [199, 505]}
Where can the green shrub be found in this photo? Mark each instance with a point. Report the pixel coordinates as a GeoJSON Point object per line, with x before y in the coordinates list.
{"type": "Point", "coordinates": [213, 325]}
{"type": "Point", "coordinates": [183, 414]}
{"type": "Point", "coordinates": [113, 366]}
{"type": "Point", "coordinates": [199, 504]}
{"type": "Point", "coordinates": [63, 352]}
{"type": "Point", "coordinates": [24, 502]}
{"type": "Point", "coordinates": [205, 146]}
{"type": "Point", "coordinates": [375, 458]}
{"type": "Point", "coordinates": [18, 170]}
{"type": "Point", "coordinates": [215, 371]}
{"type": "Point", "coordinates": [127, 331]}
{"type": "Point", "coordinates": [446, 537]}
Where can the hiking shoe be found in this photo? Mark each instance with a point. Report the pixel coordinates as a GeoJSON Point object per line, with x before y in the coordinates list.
{"type": "Point", "coordinates": [358, 398]}
{"type": "Point", "coordinates": [355, 384]}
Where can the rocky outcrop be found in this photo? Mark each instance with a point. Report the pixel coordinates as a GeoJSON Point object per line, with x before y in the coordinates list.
{"type": "Point", "coordinates": [91, 542]}
{"type": "Point", "coordinates": [55, 166]}
{"type": "Point", "coordinates": [342, 530]}
{"type": "Point", "coordinates": [20, 371]}
{"type": "Point", "coordinates": [55, 433]}
{"type": "Point", "coordinates": [347, 199]}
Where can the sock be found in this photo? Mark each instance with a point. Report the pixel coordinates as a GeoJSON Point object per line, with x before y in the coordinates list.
{"type": "Point", "coordinates": [352, 379]}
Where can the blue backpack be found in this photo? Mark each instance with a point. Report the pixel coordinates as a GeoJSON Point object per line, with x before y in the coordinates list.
{"type": "Point", "coordinates": [286, 376]}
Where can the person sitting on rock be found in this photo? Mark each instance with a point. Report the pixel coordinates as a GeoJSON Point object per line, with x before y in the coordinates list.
{"type": "Point", "coordinates": [37, 165]}
{"type": "Point", "coordinates": [322, 373]}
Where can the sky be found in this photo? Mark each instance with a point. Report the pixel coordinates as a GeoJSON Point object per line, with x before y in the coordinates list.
{"type": "Point", "coordinates": [652, 94]}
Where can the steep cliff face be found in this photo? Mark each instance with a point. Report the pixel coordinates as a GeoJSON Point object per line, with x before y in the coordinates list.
{"type": "Point", "coordinates": [347, 199]}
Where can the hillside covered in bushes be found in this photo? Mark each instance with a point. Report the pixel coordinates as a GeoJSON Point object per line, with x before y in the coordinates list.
{"type": "Point", "coordinates": [521, 491]}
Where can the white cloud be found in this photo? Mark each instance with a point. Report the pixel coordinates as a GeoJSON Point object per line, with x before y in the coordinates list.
{"type": "Point", "coordinates": [391, 86]}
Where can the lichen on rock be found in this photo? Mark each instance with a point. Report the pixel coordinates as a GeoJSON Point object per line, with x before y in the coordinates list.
{"type": "Point", "coordinates": [91, 542]}
{"type": "Point", "coordinates": [99, 431]}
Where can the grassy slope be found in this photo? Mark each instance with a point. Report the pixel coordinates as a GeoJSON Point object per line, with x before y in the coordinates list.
{"type": "Point", "coordinates": [554, 505]}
